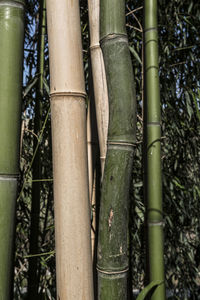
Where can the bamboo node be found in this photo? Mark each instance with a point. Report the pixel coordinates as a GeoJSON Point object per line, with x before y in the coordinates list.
{"type": "Point", "coordinates": [156, 223]}
{"type": "Point", "coordinates": [111, 36]}
{"type": "Point", "coordinates": [97, 46]}
{"type": "Point", "coordinates": [5, 177]}
{"type": "Point", "coordinates": [150, 29]}
{"type": "Point", "coordinates": [14, 3]}
{"type": "Point", "coordinates": [68, 94]}
{"type": "Point", "coordinates": [112, 272]}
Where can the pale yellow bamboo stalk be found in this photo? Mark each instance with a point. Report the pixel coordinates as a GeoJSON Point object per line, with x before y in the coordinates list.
{"type": "Point", "coordinates": [90, 169]}
{"type": "Point", "coordinates": [99, 79]}
{"type": "Point", "coordinates": [92, 152]}
{"type": "Point", "coordinates": [89, 148]}
{"type": "Point", "coordinates": [71, 196]}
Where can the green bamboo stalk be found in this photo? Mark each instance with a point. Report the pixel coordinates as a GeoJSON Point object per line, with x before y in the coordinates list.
{"type": "Point", "coordinates": [153, 180]}
{"type": "Point", "coordinates": [11, 59]}
{"type": "Point", "coordinates": [112, 264]}
{"type": "Point", "coordinates": [33, 280]}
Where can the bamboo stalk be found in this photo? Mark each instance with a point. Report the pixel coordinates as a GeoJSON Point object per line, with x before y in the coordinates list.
{"type": "Point", "coordinates": [153, 180]}
{"type": "Point", "coordinates": [92, 153]}
{"type": "Point", "coordinates": [99, 79]}
{"type": "Point", "coordinates": [33, 280]}
{"type": "Point", "coordinates": [11, 59]}
{"type": "Point", "coordinates": [72, 213]}
{"type": "Point", "coordinates": [113, 263]}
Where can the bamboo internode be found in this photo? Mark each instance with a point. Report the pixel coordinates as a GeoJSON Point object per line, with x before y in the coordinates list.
{"type": "Point", "coordinates": [71, 196]}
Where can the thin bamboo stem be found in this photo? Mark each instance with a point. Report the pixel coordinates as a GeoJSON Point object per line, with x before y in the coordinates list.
{"type": "Point", "coordinates": [11, 60]}
{"type": "Point", "coordinates": [99, 79]}
{"type": "Point", "coordinates": [33, 280]}
{"type": "Point", "coordinates": [71, 195]}
{"type": "Point", "coordinates": [92, 153]}
{"type": "Point", "coordinates": [153, 181]}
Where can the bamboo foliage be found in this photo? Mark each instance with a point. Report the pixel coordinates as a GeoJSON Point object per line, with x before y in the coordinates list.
{"type": "Point", "coordinates": [99, 78]}
{"type": "Point", "coordinates": [112, 262]}
{"type": "Point", "coordinates": [153, 181]}
{"type": "Point", "coordinates": [33, 279]}
{"type": "Point", "coordinates": [72, 213]}
{"type": "Point", "coordinates": [11, 58]}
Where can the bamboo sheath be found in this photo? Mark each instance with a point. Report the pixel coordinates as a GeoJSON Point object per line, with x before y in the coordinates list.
{"type": "Point", "coordinates": [99, 78]}
{"type": "Point", "coordinates": [72, 213]}
{"type": "Point", "coordinates": [11, 59]}
{"type": "Point", "coordinates": [153, 152]}
{"type": "Point", "coordinates": [33, 279]}
{"type": "Point", "coordinates": [112, 264]}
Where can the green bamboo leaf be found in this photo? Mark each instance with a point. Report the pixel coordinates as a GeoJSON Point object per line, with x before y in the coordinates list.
{"type": "Point", "coordinates": [30, 85]}
{"type": "Point", "coordinates": [132, 50]}
{"type": "Point", "coordinates": [178, 184]}
{"type": "Point", "coordinates": [194, 98]}
{"type": "Point", "coordinates": [188, 105]}
{"type": "Point", "coordinates": [46, 86]}
{"type": "Point", "coordinates": [190, 7]}
{"type": "Point", "coordinates": [148, 288]}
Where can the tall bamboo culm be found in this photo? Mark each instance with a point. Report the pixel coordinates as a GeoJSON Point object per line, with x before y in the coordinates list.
{"type": "Point", "coordinates": [72, 210]}
{"type": "Point", "coordinates": [11, 61]}
{"type": "Point", "coordinates": [99, 78]}
{"type": "Point", "coordinates": [112, 264]}
{"type": "Point", "coordinates": [153, 180]}
{"type": "Point", "coordinates": [100, 93]}
{"type": "Point", "coordinates": [33, 279]}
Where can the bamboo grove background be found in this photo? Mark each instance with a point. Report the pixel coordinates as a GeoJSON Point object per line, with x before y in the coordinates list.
{"type": "Point", "coordinates": [179, 62]}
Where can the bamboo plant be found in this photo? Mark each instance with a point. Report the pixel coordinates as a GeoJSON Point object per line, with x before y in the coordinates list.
{"type": "Point", "coordinates": [100, 94]}
{"type": "Point", "coordinates": [11, 60]}
{"type": "Point", "coordinates": [33, 279]}
{"type": "Point", "coordinates": [99, 78]}
{"type": "Point", "coordinates": [112, 264]}
{"type": "Point", "coordinates": [92, 154]}
{"type": "Point", "coordinates": [68, 108]}
{"type": "Point", "coordinates": [153, 181]}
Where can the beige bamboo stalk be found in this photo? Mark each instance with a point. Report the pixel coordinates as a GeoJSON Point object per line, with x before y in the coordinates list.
{"type": "Point", "coordinates": [90, 150]}
{"type": "Point", "coordinates": [72, 212]}
{"type": "Point", "coordinates": [90, 169]}
{"type": "Point", "coordinates": [99, 79]}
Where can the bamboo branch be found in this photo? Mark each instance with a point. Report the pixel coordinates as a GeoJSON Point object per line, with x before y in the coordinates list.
{"type": "Point", "coordinates": [33, 280]}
